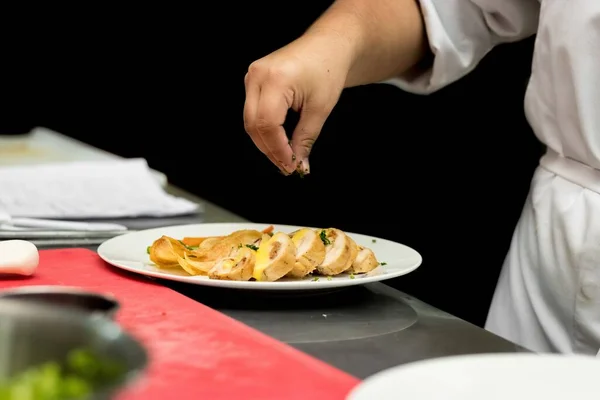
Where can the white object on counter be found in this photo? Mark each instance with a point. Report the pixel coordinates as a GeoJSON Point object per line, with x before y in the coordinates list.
{"type": "Point", "coordinates": [19, 224]}
{"type": "Point", "coordinates": [45, 146]}
{"type": "Point", "coordinates": [501, 376]}
{"type": "Point", "coordinates": [87, 189]}
{"type": "Point", "coordinates": [18, 257]}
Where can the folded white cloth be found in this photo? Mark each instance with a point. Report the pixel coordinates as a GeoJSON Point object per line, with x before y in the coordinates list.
{"type": "Point", "coordinates": [95, 189]}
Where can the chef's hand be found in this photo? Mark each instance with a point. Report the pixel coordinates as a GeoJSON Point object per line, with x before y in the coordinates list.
{"type": "Point", "coordinates": [308, 76]}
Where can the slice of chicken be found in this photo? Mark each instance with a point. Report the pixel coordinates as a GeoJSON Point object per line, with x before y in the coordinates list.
{"type": "Point", "coordinates": [310, 252]}
{"type": "Point", "coordinates": [236, 268]}
{"type": "Point", "coordinates": [265, 238]}
{"type": "Point", "coordinates": [275, 258]}
{"type": "Point", "coordinates": [214, 249]}
{"type": "Point", "coordinates": [365, 261]}
{"type": "Point", "coordinates": [340, 252]}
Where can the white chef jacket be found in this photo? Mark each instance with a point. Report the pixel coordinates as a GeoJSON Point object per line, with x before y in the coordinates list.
{"type": "Point", "coordinates": [548, 295]}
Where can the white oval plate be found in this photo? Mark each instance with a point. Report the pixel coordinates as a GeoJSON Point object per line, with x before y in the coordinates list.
{"type": "Point", "coordinates": [514, 376]}
{"type": "Point", "coordinates": [129, 253]}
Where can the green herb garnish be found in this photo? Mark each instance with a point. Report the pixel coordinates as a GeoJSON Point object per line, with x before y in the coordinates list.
{"type": "Point", "coordinates": [252, 247]}
{"type": "Point", "coordinates": [324, 238]}
{"type": "Point", "coordinates": [351, 276]}
{"type": "Point", "coordinates": [374, 241]}
{"type": "Point", "coordinates": [316, 278]}
{"type": "Point", "coordinates": [188, 247]}
{"type": "Point", "coordinates": [382, 263]}
{"type": "Point", "coordinates": [329, 278]}
{"type": "Point", "coordinates": [148, 249]}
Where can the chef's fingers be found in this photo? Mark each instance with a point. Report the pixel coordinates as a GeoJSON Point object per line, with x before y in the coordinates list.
{"type": "Point", "coordinates": [306, 133]}
{"type": "Point", "coordinates": [250, 109]}
{"type": "Point", "coordinates": [266, 127]}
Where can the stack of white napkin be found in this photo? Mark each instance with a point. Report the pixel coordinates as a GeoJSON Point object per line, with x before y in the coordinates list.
{"type": "Point", "coordinates": [87, 190]}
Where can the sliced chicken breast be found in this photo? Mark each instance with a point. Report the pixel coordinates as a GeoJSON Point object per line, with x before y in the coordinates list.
{"type": "Point", "coordinates": [310, 252]}
{"type": "Point", "coordinates": [218, 248]}
{"type": "Point", "coordinates": [275, 258]}
{"type": "Point", "coordinates": [237, 268]}
{"type": "Point", "coordinates": [340, 252]}
{"type": "Point", "coordinates": [365, 261]}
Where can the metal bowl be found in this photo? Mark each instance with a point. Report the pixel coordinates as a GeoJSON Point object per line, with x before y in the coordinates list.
{"type": "Point", "coordinates": [34, 333]}
{"type": "Point", "coordinates": [64, 296]}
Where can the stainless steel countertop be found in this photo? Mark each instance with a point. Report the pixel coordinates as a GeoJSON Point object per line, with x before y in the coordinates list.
{"type": "Point", "coordinates": [361, 330]}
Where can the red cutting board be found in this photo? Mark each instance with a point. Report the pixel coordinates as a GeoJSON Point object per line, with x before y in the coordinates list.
{"type": "Point", "coordinates": [195, 351]}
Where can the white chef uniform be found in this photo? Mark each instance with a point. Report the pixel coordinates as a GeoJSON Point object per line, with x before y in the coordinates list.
{"type": "Point", "coordinates": [548, 294]}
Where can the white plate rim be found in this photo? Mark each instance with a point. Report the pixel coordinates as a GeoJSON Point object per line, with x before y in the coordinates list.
{"type": "Point", "coordinates": [322, 283]}
{"type": "Point", "coordinates": [363, 390]}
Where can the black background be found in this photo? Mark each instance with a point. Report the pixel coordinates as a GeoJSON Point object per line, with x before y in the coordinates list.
{"type": "Point", "coordinates": [446, 174]}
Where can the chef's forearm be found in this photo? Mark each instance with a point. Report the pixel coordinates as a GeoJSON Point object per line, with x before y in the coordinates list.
{"type": "Point", "coordinates": [385, 38]}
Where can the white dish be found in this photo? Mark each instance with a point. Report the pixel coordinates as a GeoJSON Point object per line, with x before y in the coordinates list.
{"type": "Point", "coordinates": [514, 376]}
{"type": "Point", "coordinates": [129, 253]}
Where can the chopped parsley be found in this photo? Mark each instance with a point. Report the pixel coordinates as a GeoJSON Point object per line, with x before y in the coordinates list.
{"type": "Point", "coordinates": [324, 238]}
{"type": "Point", "coordinates": [351, 276]}
{"type": "Point", "coordinates": [148, 249]}
{"type": "Point", "coordinates": [252, 247]}
{"type": "Point", "coordinates": [329, 278]}
{"type": "Point", "coordinates": [382, 263]}
{"type": "Point", "coordinates": [188, 247]}
{"type": "Point", "coordinates": [374, 241]}
{"type": "Point", "coordinates": [315, 279]}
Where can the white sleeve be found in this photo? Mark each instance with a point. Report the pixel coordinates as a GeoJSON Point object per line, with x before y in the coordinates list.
{"type": "Point", "coordinates": [462, 32]}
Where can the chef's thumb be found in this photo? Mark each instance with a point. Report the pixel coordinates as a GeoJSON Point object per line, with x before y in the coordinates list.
{"type": "Point", "coordinates": [304, 137]}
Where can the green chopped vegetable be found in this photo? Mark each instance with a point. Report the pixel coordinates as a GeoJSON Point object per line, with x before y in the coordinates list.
{"type": "Point", "coordinates": [252, 247]}
{"type": "Point", "coordinates": [324, 238]}
{"type": "Point", "coordinates": [148, 249]}
{"type": "Point", "coordinates": [76, 378]}
{"type": "Point", "coordinates": [188, 247]}
{"type": "Point", "coordinates": [383, 263]}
